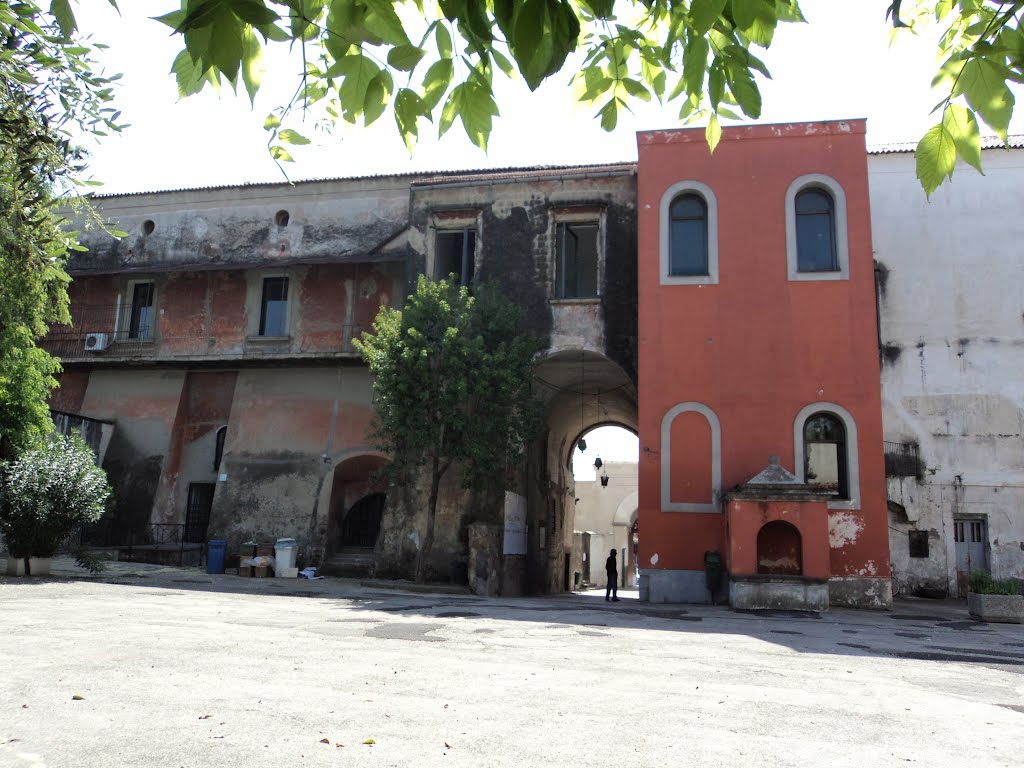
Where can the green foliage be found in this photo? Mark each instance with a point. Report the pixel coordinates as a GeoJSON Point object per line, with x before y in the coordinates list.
{"type": "Point", "coordinates": [452, 386]}
{"type": "Point", "coordinates": [982, 583]}
{"type": "Point", "coordinates": [47, 88]}
{"type": "Point", "coordinates": [48, 492]}
{"type": "Point", "coordinates": [699, 53]}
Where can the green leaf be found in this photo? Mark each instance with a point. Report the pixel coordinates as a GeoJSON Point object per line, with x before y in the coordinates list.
{"type": "Point", "coordinates": [252, 12]}
{"type": "Point", "coordinates": [983, 82]}
{"type": "Point", "coordinates": [409, 107]}
{"type": "Point", "coordinates": [443, 38]}
{"type": "Point", "coordinates": [378, 94]}
{"type": "Point", "coordinates": [272, 122]}
{"type": "Point", "coordinates": [756, 19]}
{"type": "Point", "coordinates": [253, 67]}
{"type": "Point", "coordinates": [936, 158]}
{"type": "Point", "coordinates": [503, 63]}
{"type": "Point", "coordinates": [636, 89]}
{"type": "Point", "coordinates": [713, 133]}
{"type": "Point", "coordinates": [716, 84]}
{"type": "Point", "coordinates": [405, 57]}
{"type": "Point", "coordinates": [358, 71]}
{"type": "Point", "coordinates": [609, 114]}
{"type": "Point", "coordinates": [289, 136]}
{"type": "Point", "coordinates": [436, 81]}
{"type": "Point", "coordinates": [384, 22]}
{"type": "Point", "coordinates": [704, 14]}
{"type": "Point", "coordinates": [695, 63]}
{"type": "Point", "coordinates": [743, 87]}
{"type": "Point", "coordinates": [281, 155]}
{"type": "Point", "coordinates": [961, 124]}
{"type": "Point", "coordinates": [61, 11]}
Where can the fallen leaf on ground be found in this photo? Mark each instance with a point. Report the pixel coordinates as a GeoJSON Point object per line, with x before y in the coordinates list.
{"type": "Point", "coordinates": [325, 741]}
{"type": "Point", "coordinates": [370, 742]}
{"type": "Point", "coordinates": [76, 697]}
{"type": "Point", "coordinates": [339, 744]}
{"type": "Point", "coordinates": [447, 745]}
{"type": "Point", "coordinates": [24, 706]}
{"type": "Point", "coordinates": [205, 717]}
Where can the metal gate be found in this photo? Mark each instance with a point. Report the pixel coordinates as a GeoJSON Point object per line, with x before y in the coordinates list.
{"type": "Point", "coordinates": [197, 515]}
{"type": "Point", "coordinates": [971, 537]}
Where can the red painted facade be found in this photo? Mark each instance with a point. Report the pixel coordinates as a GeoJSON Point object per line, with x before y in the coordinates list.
{"type": "Point", "coordinates": [756, 347]}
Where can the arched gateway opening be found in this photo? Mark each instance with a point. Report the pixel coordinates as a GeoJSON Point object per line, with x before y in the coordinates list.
{"type": "Point", "coordinates": [583, 390]}
{"type": "Point", "coordinates": [357, 506]}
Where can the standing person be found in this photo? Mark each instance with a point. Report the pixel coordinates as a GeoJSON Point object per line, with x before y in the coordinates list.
{"type": "Point", "coordinates": [612, 569]}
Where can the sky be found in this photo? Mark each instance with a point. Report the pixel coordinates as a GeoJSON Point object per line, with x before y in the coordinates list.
{"type": "Point", "coordinates": [608, 443]}
{"type": "Point", "coordinates": [840, 65]}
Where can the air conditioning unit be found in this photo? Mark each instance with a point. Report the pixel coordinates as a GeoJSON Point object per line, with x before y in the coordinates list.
{"type": "Point", "coordinates": [96, 342]}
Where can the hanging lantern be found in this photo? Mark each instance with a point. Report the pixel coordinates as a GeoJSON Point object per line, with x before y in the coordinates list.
{"type": "Point", "coordinates": [582, 445]}
{"type": "Point", "coordinates": [604, 479]}
{"type": "Point", "coordinates": [598, 463]}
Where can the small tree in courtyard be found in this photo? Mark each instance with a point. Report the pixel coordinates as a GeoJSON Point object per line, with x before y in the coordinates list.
{"type": "Point", "coordinates": [452, 383]}
{"type": "Point", "coordinates": [46, 493]}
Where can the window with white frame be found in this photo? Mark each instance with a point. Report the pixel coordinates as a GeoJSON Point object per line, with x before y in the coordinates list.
{"type": "Point", "coordinates": [688, 234]}
{"type": "Point", "coordinates": [816, 235]}
{"type": "Point", "coordinates": [825, 453]}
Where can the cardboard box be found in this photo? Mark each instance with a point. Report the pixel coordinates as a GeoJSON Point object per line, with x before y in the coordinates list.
{"type": "Point", "coordinates": [245, 570]}
{"type": "Point", "coordinates": [261, 571]}
{"type": "Point", "coordinates": [265, 550]}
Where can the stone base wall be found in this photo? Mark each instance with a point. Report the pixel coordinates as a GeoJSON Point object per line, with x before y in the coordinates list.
{"type": "Point", "coordinates": [794, 593]}
{"type": "Point", "coordinates": [860, 592]}
{"type": "Point", "coordinates": [1001, 609]}
{"type": "Point", "coordinates": [664, 586]}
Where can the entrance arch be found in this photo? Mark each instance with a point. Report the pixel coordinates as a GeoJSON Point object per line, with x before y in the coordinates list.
{"type": "Point", "coordinates": [361, 524]}
{"type": "Point", "coordinates": [357, 503]}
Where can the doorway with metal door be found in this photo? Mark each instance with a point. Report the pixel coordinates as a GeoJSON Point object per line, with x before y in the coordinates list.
{"type": "Point", "coordinates": [970, 535]}
{"type": "Point", "coordinates": [197, 514]}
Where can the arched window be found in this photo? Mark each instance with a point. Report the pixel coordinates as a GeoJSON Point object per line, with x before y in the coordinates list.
{"type": "Point", "coordinates": [825, 454]}
{"type": "Point", "coordinates": [816, 231]}
{"type": "Point", "coordinates": [688, 236]}
{"type": "Point", "coordinates": [218, 448]}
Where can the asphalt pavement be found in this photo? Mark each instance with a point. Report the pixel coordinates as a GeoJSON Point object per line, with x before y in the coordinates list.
{"type": "Point", "coordinates": [155, 666]}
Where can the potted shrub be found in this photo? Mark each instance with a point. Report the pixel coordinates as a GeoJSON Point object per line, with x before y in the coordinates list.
{"type": "Point", "coordinates": [994, 600]}
{"type": "Point", "coordinates": [45, 495]}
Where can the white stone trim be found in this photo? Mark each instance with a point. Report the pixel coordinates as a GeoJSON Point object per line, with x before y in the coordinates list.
{"type": "Point", "coordinates": [667, 505]}
{"type": "Point", "coordinates": [852, 450]}
{"type": "Point", "coordinates": [835, 189]}
{"type": "Point", "coordinates": [664, 229]}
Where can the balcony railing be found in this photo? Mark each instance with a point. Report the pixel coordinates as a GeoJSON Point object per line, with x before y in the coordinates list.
{"type": "Point", "coordinates": [110, 333]}
{"type": "Point", "coordinates": [902, 460]}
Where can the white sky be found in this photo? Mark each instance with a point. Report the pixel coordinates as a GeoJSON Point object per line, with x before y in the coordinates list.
{"type": "Point", "coordinates": [611, 444]}
{"type": "Point", "coordinates": [838, 66]}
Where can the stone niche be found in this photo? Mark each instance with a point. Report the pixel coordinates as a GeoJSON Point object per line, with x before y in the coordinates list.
{"type": "Point", "coordinates": [777, 543]}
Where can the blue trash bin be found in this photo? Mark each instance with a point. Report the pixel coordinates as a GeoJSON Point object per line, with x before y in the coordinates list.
{"type": "Point", "coordinates": [215, 550]}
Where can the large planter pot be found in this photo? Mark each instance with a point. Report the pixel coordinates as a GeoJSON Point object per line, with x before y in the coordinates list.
{"type": "Point", "coordinates": [40, 566]}
{"type": "Point", "coordinates": [1003, 609]}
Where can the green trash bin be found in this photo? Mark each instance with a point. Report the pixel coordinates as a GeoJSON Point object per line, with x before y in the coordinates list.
{"type": "Point", "coordinates": [713, 573]}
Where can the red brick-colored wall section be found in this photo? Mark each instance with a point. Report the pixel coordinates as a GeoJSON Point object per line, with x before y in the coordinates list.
{"type": "Point", "coordinates": [337, 302]}
{"type": "Point", "coordinates": [756, 347]}
{"type": "Point", "coordinates": [181, 307]}
{"type": "Point", "coordinates": [747, 519]}
{"type": "Point", "coordinates": [93, 305]}
{"type": "Point", "coordinates": [227, 312]}
{"type": "Point", "coordinates": [68, 397]}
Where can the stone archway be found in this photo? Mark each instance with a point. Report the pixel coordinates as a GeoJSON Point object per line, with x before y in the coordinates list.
{"type": "Point", "coordinates": [356, 507]}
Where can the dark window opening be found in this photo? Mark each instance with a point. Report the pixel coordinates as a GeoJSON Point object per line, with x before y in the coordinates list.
{"type": "Point", "coordinates": [815, 231]}
{"type": "Point", "coordinates": [918, 541]}
{"type": "Point", "coordinates": [140, 323]}
{"type": "Point", "coordinates": [576, 260]}
{"type": "Point", "coordinates": [218, 449]}
{"type": "Point", "coordinates": [455, 254]}
{"type": "Point", "coordinates": [825, 454]}
{"type": "Point", "coordinates": [688, 236]}
{"type": "Point", "coordinates": [274, 307]}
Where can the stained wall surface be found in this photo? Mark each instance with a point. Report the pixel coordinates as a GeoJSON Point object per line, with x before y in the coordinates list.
{"type": "Point", "coordinates": [952, 332]}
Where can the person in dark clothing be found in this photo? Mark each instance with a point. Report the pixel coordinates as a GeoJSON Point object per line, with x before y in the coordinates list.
{"type": "Point", "coordinates": [611, 592]}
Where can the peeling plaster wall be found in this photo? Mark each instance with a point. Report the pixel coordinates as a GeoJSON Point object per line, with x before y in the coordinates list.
{"type": "Point", "coordinates": [951, 304]}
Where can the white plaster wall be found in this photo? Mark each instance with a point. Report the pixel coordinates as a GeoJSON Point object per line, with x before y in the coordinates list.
{"type": "Point", "coordinates": [952, 329]}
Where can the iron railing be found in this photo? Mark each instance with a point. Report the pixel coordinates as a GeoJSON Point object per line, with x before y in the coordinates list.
{"type": "Point", "coordinates": [902, 460]}
{"type": "Point", "coordinates": [149, 543]}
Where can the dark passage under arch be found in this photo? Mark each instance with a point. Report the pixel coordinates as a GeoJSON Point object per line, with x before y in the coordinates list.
{"type": "Point", "coordinates": [361, 525]}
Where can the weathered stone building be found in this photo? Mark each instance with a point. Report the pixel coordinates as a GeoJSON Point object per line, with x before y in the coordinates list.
{"type": "Point", "coordinates": [950, 274]}
{"type": "Point", "coordinates": [217, 338]}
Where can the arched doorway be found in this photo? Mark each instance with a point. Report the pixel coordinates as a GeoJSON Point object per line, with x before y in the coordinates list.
{"type": "Point", "coordinates": [361, 524]}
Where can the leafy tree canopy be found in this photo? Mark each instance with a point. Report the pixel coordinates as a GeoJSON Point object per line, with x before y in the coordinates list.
{"type": "Point", "coordinates": [48, 88]}
{"type": "Point", "coordinates": [436, 60]}
{"type": "Point", "coordinates": [452, 386]}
